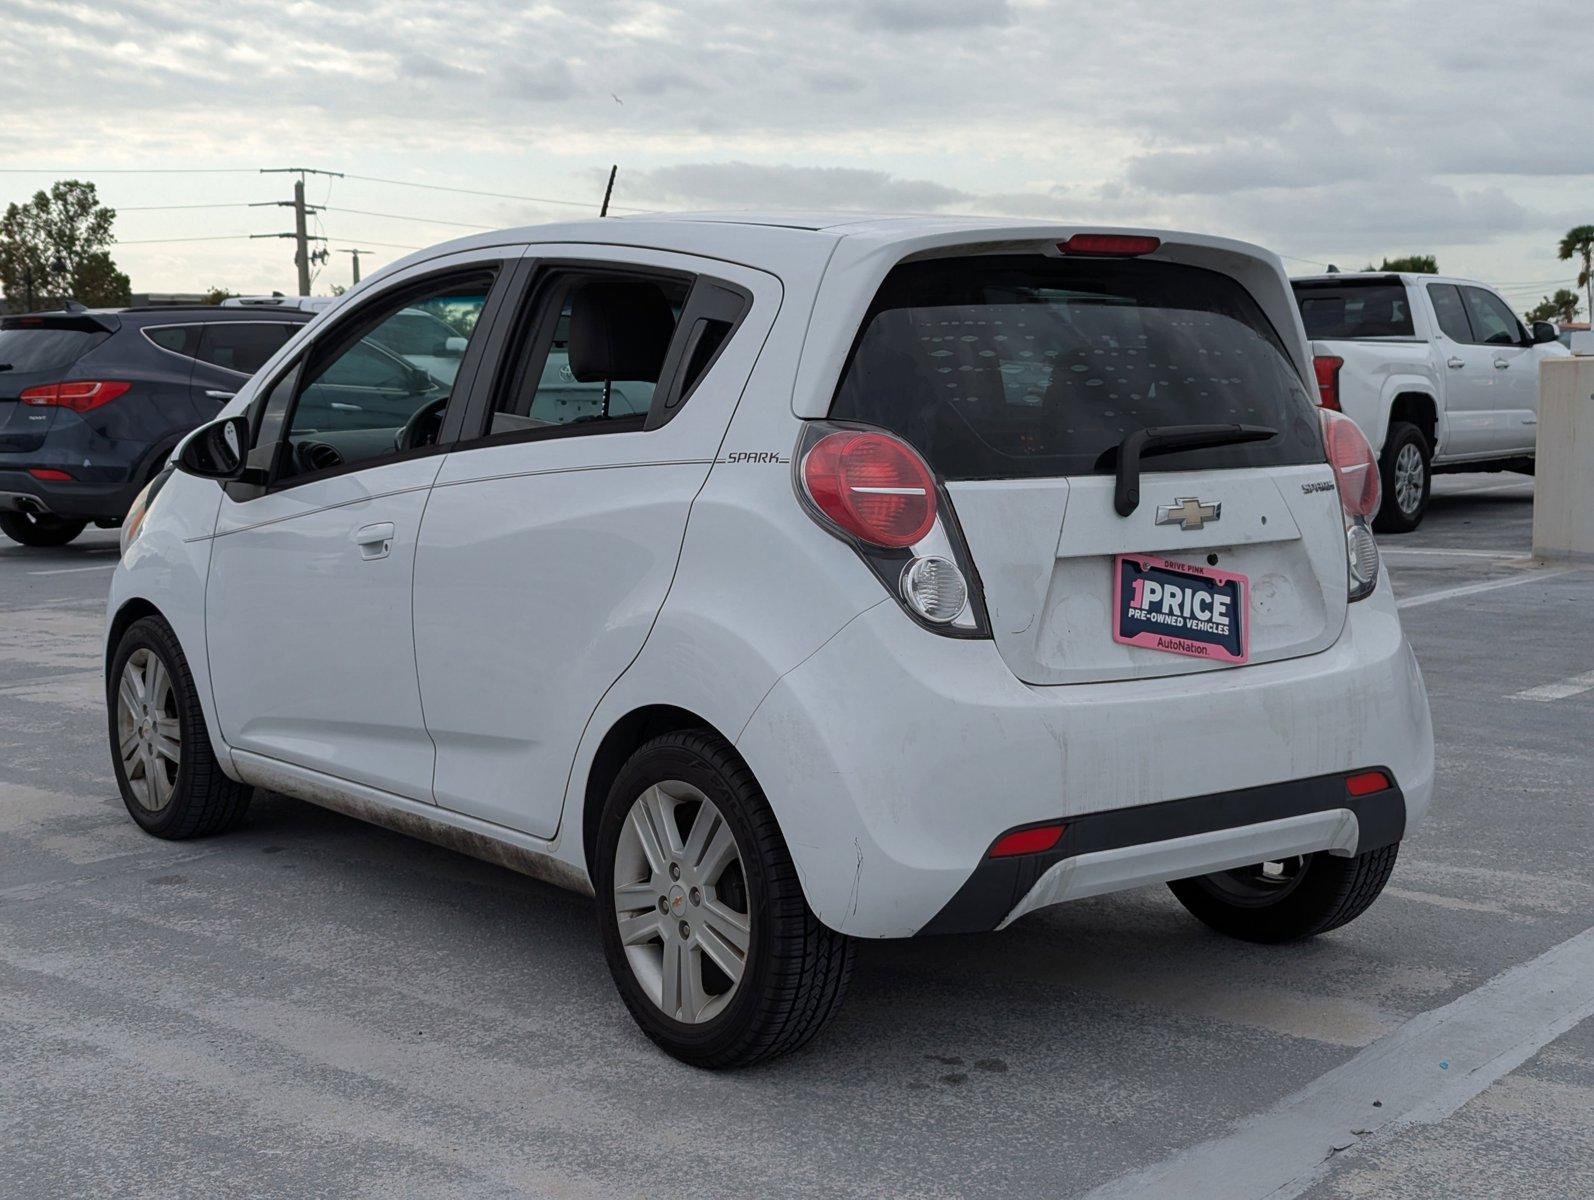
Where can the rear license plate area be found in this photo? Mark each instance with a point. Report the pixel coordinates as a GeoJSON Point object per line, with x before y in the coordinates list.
{"type": "Point", "coordinates": [1177, 608]}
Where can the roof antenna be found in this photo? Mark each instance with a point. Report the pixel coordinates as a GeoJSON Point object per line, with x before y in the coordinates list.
{"type": "Point", "coordinates": [608, 191]}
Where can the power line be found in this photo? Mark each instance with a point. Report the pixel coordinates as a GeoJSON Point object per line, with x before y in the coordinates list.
{"type": "Point", "coordinates": [403, 217]}
{"type": "Point", "coordinates": [221, 237]}
{"type": "Point", "coordinates": [437, 187]}
{"type": "Point", "coordinates": [122, 208]}
{"type": "Point", "coordinates": [131, 171]}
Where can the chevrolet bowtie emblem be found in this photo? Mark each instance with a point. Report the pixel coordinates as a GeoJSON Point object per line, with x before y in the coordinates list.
{"type": "Point", "coordinates": [1187, 512]}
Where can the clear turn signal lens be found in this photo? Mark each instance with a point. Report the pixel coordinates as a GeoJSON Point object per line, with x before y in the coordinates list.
{"type": "Point", "coordinates": [935, 589]}
{"type": "Point", "coordinates": [1362, 550]}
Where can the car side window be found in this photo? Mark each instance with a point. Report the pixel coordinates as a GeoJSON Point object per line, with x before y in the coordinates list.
{"type": "Point", "coordinates": [591, 350]}
{"type": "Point", "coordinates": [1495, 324]}
{"type": "Point", "coordinates": [242, 346]}
{"type": "Point", "coordinates": [360, 400]}
{"type": "Point", "coordinates": [1451, 314]}
{"type": "Point", "coordinates": [179, 339]}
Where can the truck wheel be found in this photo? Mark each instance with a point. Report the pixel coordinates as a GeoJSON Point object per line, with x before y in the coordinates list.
{"type": "Point", "coordinates": [39, 529]}
{"type": "Point", "coordinates": [166, 770]}
{"type": "Point", "coordinates": [1285, 901]}
{"type": "Point", "coordinates": [704, 925]}
{"type": "Point", "coordinates": [1407, 473]}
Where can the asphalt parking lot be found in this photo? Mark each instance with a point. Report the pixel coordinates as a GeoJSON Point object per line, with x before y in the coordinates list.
{"type": "Point", "coordinates": [314, 1007]}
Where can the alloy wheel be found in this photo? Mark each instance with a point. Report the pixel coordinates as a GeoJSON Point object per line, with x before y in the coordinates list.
{"type": "Point", "coordinates": [680, 902]}
{"type": "Point", "coordinates": [1408, 478]}
{"type": "Point", "coordinates": [149, 734]}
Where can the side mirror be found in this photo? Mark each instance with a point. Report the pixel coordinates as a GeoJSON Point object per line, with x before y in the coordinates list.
{"type": "Point", "coordinates": [455, 346]}
{"type": "Point", "coordinates": [218, 450]}
{"type": "Point", "coordinates": [1545, 331]}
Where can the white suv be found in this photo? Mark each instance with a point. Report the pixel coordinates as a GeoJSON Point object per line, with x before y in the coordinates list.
{"type": "Point", "coordinates": [784, 581]}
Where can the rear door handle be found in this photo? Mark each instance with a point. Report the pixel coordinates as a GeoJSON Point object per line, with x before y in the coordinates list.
{"type": "Point", "coordinates": [374, 541]}
{"type": "Point", "coordinates": [217, 394]}
{"type": "Point", "coordinates": [1500, 364]}
{"type": "Point", "coordinates": [1455, 364]}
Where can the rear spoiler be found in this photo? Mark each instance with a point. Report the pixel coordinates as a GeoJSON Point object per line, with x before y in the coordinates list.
{"type": "Point", "coordinates": [80, 321]}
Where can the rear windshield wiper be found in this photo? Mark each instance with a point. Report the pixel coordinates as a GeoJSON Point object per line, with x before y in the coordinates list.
{"type": "Point", "coordinates": [1167, 439]}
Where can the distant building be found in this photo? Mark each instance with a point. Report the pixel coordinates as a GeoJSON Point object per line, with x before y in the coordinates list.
{"type": "Point", "coordinates": [167, 299]}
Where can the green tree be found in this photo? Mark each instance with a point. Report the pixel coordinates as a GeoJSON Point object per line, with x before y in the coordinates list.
{"type": "Point", "coordinates": [1579, 243]}
{"type": "Point", "coordinates": [1560, 307]}
{"type": "Point", "coordinates": [216, 295]}
{"type": "Point", "coordinates": [60, 240]}
{"type": "Point", "coordinates": [1417, 264]}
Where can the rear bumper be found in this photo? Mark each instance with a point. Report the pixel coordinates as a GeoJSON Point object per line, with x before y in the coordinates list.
{"type": "Point", "coordinates": [894, 758]}
{"type": "Point", "coordinates": [1127, 847]}
{"type": "Point", "coordinates": [21, 492]}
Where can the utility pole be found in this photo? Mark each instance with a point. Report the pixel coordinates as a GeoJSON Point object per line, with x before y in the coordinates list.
{"type": "Point", "coordinates": [302, 256]}
{"type": "Point", "coordinates": [356, 254]}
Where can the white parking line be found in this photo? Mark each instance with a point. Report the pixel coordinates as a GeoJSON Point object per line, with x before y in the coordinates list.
{"type": "Point", "coordinates": [75, 570]}
{"type": "Point", "coordinates": [1488, 585]}
{"type": "Point", "coordinates": [1574, 685]}
{"type": "Point", "coordinates": [1435, 551]}
{"type": "Point", "coordinates": [1419, 1075]}
{"type": "Point", "coordinates": [1493, 487]}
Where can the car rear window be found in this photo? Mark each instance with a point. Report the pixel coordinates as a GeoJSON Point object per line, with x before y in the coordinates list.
{"type": "Point", "coordinates": [45, 349]}
{"type": "Point", "coordinates": [1004, 367]}
{"type": "Point", "coordinates": [1355, 310]}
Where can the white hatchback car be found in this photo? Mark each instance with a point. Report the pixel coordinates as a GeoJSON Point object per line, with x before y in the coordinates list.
{"type": "Point", "coordinates": [785, 580]}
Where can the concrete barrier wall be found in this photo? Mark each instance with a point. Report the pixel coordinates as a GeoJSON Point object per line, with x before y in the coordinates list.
{"type": "Point", "coordinates": [1563, 493]}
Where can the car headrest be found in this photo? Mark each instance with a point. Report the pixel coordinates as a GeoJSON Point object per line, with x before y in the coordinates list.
{"type": "Point", "coordinates": [619, 329]}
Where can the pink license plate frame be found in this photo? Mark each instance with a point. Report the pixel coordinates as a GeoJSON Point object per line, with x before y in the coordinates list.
{"type": "Point", "coordinates": [1172, 618]}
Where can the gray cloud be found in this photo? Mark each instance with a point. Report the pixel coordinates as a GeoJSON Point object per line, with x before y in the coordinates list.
{"type": "Point", "coordinates": [918, 16]}
{"type": "Point", "coordinates": [753, 185]}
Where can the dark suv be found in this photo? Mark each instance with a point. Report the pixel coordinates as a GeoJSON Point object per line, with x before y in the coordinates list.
{"type": "Point", "coordinates": [92, 402]}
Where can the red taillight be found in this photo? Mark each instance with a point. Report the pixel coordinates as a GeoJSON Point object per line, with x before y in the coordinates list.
{"type": "Point", "coordinates": [80, 395]}
{"type": "Point", "coordinates": [49, 475]}
{"type": "Point", "coordinates": [872, 486]}
{"type": "Point", "coordinates": [1027, 841]}
{"type": "Point", "coordinates": [1326, 367]}
{"type": "Point", "coordinates": [1109, 245]}
{"type": "Point", "coordinates": [1368, 782]}
{"type": "Point", "coordinates": [1355, 465]}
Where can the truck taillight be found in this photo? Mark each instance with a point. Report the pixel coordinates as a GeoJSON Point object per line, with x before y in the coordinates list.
{"type": "Point", "coordinates": [1326, 367]}
{"type": "Point", "coordinates": [80, 395]}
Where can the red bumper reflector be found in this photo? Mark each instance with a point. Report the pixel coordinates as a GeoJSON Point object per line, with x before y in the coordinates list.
{"type": "Point", "coordinates": [1368, 782]}
{"type": "Point", "coordinates": [1027, 841]}
{"type": "Point", "coordinates": [49, 475]}
{"type": "Point", "coordinates": [1109, 245]}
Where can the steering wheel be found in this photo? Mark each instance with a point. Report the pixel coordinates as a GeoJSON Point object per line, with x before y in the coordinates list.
{"type": "Point", "coordinates": [423, 427]}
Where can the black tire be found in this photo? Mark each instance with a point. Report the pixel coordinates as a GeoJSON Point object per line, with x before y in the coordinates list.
{"type": "Point", "coordinates": [202, 800]}
{"type": "Point", "coordinates": [796, 970]}
{"type": "Point", "coordinates": [39, 529]}
{"type": "Point", "coordinates": [1392, 516]}
{"type": "Point", "coordinates": [1327, 892]}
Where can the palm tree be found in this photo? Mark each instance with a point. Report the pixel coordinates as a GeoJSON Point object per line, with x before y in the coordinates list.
{"type": "Point", "coordinates": [1580, 242]}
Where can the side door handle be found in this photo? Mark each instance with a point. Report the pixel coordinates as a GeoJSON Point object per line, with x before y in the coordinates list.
{"type": "Point", "coordinates": [218, 394]}
{"type": "Point", "coordinates": [374, 541]}
{"type": "Point", "coordinates": [1455, 363]}
{"type": "Point", "coordinates": [1500, 364]}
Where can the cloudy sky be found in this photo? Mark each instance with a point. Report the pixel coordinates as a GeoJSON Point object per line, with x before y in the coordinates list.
{"type": "Point", "coordinates": [1331, 133]}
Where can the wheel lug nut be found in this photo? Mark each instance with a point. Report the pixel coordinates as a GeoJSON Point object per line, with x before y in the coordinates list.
{"type": "Point", "coordinates": [686, 930]}
{"type": "Point", "coordinates": [675, 870]}
{"type": "Point", "coordinates": [664, 904]}
{"type": "Point", "coordinates": [697, 896]}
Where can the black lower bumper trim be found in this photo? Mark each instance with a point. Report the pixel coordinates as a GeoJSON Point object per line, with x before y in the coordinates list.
{"type": "Point", "coordinates": [998, 884]}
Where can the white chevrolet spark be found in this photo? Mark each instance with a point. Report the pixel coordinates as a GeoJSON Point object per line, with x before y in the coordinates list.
{"type": "Point", "coordinates": [786, 580]}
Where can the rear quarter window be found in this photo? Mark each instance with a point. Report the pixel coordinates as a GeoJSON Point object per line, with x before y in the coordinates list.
{"type": "Point", "coordinates": [1007, 367]}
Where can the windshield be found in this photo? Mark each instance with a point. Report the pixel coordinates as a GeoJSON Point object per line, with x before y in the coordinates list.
{"type": "Point", "coordinates": [1009, 367]}
{"type": "Point", "coordinates": [1356, 310]}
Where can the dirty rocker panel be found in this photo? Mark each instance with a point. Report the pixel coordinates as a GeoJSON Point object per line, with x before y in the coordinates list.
{"type": "Point", "coordinates": [998, 884]}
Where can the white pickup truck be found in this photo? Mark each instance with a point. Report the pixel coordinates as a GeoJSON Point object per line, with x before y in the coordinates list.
{"type": "Point", "coordinates": [1438, 372]}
